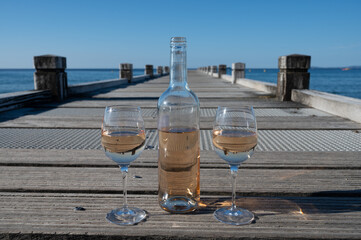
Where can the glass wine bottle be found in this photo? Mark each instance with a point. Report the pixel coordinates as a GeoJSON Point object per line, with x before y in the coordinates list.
{"type": "Point", "coordinates": [179, 137]}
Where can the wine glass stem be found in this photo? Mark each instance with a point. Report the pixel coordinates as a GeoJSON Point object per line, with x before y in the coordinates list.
{"type": "Point", "coordinates": [124, 170]}
{"type": "Point", "coordinates": [234, 170]}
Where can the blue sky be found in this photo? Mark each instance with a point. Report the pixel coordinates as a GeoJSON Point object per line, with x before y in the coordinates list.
{"type": "Point", "coordinates": [102, 34]}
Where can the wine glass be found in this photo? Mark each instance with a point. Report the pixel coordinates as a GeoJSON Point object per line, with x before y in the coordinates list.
{"type": "Point", "coordinates": [234, 139]}
{"type": "Point", "coordinates": [123, 140]}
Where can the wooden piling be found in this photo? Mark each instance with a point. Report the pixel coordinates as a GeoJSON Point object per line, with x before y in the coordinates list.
{"type": "Point", "coordinates": [160, 70]}
{"type": "Point", "coordinates": [50, 74]}
{"type": "Point", "coordinates": [148, 70]}
{"type": "Point", "coordinates": [126, 71]}
{"type": "Point", "coordinates": [213, 69]}
{"type": "Point", "coordinates": [222, 69]}
{"type": "Point", "coordinates": [238, 71]}
{"type": "Point", "coordinates": [293, 74]}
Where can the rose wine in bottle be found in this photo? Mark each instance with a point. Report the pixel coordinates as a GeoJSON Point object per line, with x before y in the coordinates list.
{"type": "Point", "coordinates": [178, 129]}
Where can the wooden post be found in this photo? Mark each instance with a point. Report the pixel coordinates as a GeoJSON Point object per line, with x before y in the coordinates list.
{"type": "Point", "coordinates": [126, 71]}
{"type": "Point", "coordinates": [237, 71]}
{"type": "Point", "coordinates": [148, 70]}
{"type": "Point", "coordinates": [293, 74]}
{"type": "Point", "coordinates": [160, 70]}
{"type": "Point", "coordinates": [166, 69]}
{"type": "Point", "coordinates": [222, 69]}
{"type": "Point", "coordinates": [50, 74]}
{"type": "Point", "coordinates": [213, 70]}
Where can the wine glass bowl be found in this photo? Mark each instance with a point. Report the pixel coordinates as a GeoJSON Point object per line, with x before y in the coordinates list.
{"type": "Point", "coordinates": [234, 140]}
{"type": "Point", "coordinates": [123, 140]}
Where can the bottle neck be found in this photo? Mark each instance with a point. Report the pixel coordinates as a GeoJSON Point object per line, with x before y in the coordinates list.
{"type": "Point", "coordinates": [178, 63]}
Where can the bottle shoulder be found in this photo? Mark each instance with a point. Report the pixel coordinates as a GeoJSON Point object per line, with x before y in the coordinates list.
{"type": "Point", "coordinates": [178, 96]}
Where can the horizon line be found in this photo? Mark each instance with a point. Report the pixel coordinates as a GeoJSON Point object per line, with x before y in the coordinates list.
{"type": "Point", "coordinates": [100, 68]}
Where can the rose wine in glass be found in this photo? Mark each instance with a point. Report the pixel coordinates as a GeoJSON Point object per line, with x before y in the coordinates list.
{"type": "Point", "coordinates": [234, 140]}
{"type": "Point", "coordinates": [123, 139]}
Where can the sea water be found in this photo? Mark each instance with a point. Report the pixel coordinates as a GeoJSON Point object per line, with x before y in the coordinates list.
{"type": "Point", "coordinates": [331, 80]}
{"type": "Point", "coordinates": [14, 80]}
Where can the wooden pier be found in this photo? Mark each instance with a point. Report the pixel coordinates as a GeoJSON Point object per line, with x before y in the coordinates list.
{"type": "Point", "coordinates": [303, 182]}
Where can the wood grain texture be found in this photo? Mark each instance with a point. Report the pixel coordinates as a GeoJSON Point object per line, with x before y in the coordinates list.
{"type": "Point", "coordinates": [263, 123]}
{"type": "Point", "coordinates": [9, 101]}
{"type": "Point", "coordinates": [295, 195]}
{"type": "Point", "coordinates": [276, 218]}
{"type": "Point", "coordinates": [255, 182]}
{"type": "Point", "coordinates": [209, 159]}
{"type": "Point", "coordinates": [152, 102]}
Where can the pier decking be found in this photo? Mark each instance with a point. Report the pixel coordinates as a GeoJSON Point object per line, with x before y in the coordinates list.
{"type": "Point", "coordinates": [303, 181]}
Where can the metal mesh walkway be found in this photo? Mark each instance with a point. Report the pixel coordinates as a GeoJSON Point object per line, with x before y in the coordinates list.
{"type": "Point", "coordinates": [269, 140]}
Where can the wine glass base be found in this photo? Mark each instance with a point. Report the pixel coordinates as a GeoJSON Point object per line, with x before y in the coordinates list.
{"type": "Point", "coordinates": [126, 216]}
{"type": "Point", "coordinates": [237, 216]}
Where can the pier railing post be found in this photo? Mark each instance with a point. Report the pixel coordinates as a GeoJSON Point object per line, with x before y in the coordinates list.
{"type": "Point", "coordinates": [293, 74]}
{"type": "Point", "coordinates": [148, 70]}
{"type": "Point", "coordinates": [213, 70]}
{"type": "Point", "coordinates": [222, 69]}
{"type": "Point", "coordinates": [166, 69]}
{"type": "Point", "coordinates": [50, 75]}
{"type": "Point", "coordinates": [160, 70]}
{"type": "Point", "coordinates": [238, 71]}
{"type": "Point", "coordinates": [126, 71]}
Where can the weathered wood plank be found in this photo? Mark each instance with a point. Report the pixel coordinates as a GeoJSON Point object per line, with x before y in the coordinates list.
{"type": "Point", "coordinates": [144, 102]}
{"type": "Point", "coordinates": [301, 218]}
{"type": "Point", "coordinates": [256, 182]}
{"type": "Point", "coordinates": [15, 100]}
{"type": "Point", "coordinates": [297, 123]}
{"type": "Point", "coordinates": [96, 85]}
{"type": "Point", "coordinates": [332, 103]}
{"type": "Point", "coordinates": [215, 94]}
{"type": "Point", "coordinates": [205, 112]}
{"type": "Point", "coordinates": [155, 87]}
{"type": "Point", "coordinates": [209, 159]}
{"type": "Point", "coordinates": [152, 88]}
{"type": "Point", "coordinates": [59, 173]}
{"type": "Point", "coordinates": [270, 123]}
